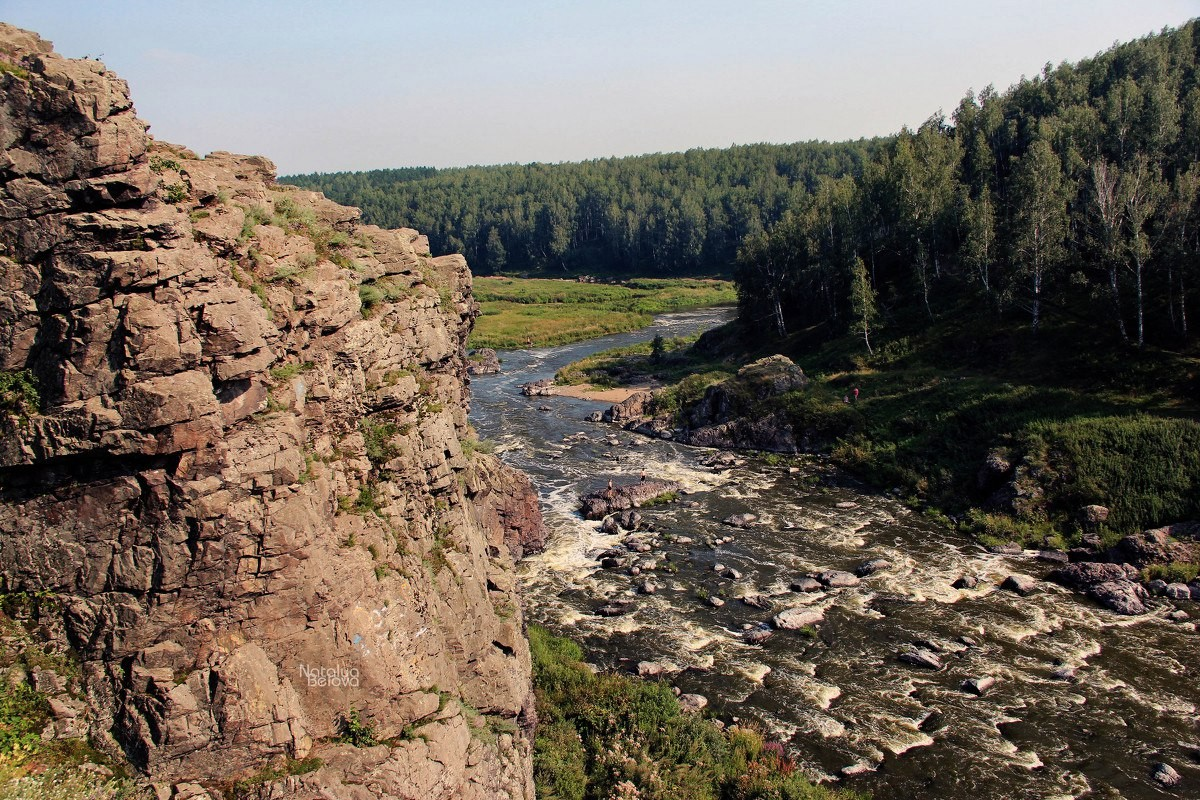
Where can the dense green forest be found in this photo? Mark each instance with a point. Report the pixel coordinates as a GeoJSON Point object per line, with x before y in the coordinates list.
{"type": "Point", "coordinates": [1070, 197]}
{"type": "Point", "coordinates": [674, 214]}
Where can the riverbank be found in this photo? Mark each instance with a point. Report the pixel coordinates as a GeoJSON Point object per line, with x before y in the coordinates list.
{"type": "Point", "coordinates": [1012, 439]}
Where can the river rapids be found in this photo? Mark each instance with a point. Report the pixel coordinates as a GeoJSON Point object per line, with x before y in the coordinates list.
{"type": "Point", "coordinates": [1085, 703]}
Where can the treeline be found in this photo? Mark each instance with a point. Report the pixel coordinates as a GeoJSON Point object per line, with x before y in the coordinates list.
{"type": "Point", "coordinates": [673, 214]}
{"type": "Point", "coordinates": [1070, 197]}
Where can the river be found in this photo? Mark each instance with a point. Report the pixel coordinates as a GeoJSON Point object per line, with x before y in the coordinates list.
{"type": "Point", "coordinates": [1086, 703]}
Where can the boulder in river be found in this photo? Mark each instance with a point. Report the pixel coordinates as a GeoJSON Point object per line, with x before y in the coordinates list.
{"type": "Point", "coordinates": [871, 567]}
{"type": "Point", "coordinates": [1053, 556]}
{"type": "Point", "coordinates": [602, 502]}
{"type": "Point", "coordinates": [610, 525]}
{"type": "Point", "coordinates": [1157, 587]}
{"type": "Point", "coordinates": [806, 583]}
{"type": "Point", "coordinates": [838, 579]}
{"type": "Point", "coordinates": [758, 634]}
{"type": "Point", "coordinates": [1023, 585]}
{"type": "Point", "coordinates": [1124, 597]}
{"type": "Point", "coordinates": [978, 686]}
{"type": "Point", "coordinates": [920, 658]}
{"type": "Point", "coordinates": [1178, 591]}
{"type": "Point", "coordinates": [614, 609]}
{"type": "Point", "coordinates": [757, 601]}
{"type": "Point", "coordinates": [630, 520]}
{"type": "Point", "coordinates": [1083, 574]}
{"type": "Point", "coordinates": [628, 410]}
{"type": "Point", "coordinates": [1166, 775]}
{"type": "Point", "coordinates": [796, 618]}
{"type": "Point", "coordinates": [741, 520]}
{"type": "Point", "coordinates": [714, 601]}
{"type": "Point", "coordinates": [542, 388]}
{"type": "Point", "coordinates": [966, 582]}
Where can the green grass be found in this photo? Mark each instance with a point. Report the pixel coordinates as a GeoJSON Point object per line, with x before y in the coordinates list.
{"type": "Point", "coordinates": [597, 732]}
{"type": "Point", "coordinates": [538, 312]}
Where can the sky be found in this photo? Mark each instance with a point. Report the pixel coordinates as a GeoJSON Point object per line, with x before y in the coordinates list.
{"type": "Point", "coordinates": [367, 84]}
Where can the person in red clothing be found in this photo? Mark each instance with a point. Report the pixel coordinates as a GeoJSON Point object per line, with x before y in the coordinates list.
{"type": "Point", "coordinates": [856, 394]}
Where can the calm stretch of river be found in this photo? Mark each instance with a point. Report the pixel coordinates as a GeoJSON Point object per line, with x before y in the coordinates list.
{"type": "Point", "coordinates": [846, 707]}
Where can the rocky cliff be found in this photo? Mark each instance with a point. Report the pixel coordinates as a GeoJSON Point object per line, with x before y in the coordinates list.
{"type": "Point", "coordinates": [239, 495]}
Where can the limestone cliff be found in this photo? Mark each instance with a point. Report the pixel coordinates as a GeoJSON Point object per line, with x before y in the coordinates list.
{"type": "Point", "coordinates": [244, 499]}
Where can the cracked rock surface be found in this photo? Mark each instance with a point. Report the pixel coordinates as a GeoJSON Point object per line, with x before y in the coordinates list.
{"type": "Point", "coordinates": [243, 501]}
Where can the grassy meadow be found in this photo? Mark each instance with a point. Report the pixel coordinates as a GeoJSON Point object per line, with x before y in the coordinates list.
{"type": "Point", "coordinates": [540, 312]}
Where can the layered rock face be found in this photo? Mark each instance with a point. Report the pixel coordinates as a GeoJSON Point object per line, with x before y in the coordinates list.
{"type": "Point", "coordinates": [245, 501]}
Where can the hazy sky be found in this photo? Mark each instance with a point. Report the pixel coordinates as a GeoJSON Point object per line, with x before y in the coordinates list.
{"type": "Point", "coordinates": [363, 84]}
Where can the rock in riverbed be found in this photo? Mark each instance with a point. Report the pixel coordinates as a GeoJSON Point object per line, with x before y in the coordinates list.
{"type": "Point", "coordinates": [806, 583]}
{"type": "Point", "coordinates": [838, 579]}
{"type": "Point", "coordinates": [920, 658]}
{"type": "Point", "coordinates": [601, 503]}
{"type": "Point", "coordinates": [796, 618]}
{"type": "Point", "coordinates": [1023, 585]}
{"type": "Point", "coordinates": [978, 686]}
{"type": "Point", "coordinates": [871, 567]}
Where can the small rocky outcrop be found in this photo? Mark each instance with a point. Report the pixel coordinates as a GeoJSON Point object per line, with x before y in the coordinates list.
{"type": "Point", "coordinates": [245, 467]}
{"type": "Point", "coordinates": [483, 361]}
{"type": "Point", "coordinates": [726, 417]}
{"type": "Point", "coordinates": [602, 502]}
{"type": "Point", "coordinates": [1157, 546]}
{"type": "Point", "coordinates": [1114, 586]}
{"type": "Point", "coordinates": [542, 388]}
{"type": "Point", "coordinates": [631, 409]}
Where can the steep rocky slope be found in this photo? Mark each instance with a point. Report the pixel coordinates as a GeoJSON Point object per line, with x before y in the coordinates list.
{"type": "Point", "coordinates": [238, 488]}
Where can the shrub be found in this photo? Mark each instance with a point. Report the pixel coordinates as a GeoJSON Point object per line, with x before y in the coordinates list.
{"type": "Point", "coordinates": [352, 729]}
{"type": "Point", "coordinates": [604, 733]}
{"type": "Point", "coordinates": [19, 393]}
{"type": "Point", "coordinates": [377, 437]}
{"type": "Point", "coordinates": [1175, 572]}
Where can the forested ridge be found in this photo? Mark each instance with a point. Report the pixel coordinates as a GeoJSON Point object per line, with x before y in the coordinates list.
{"type": "Point", "coordinates": [1070, 197]}
{"type": "Point", "coordinates": [663, 214]}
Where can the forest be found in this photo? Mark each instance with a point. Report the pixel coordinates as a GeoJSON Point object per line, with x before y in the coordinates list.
{"type": "Point", "coordinates": [656, 215]}
{"type": "Point", "coordinates": [1072, 196]}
